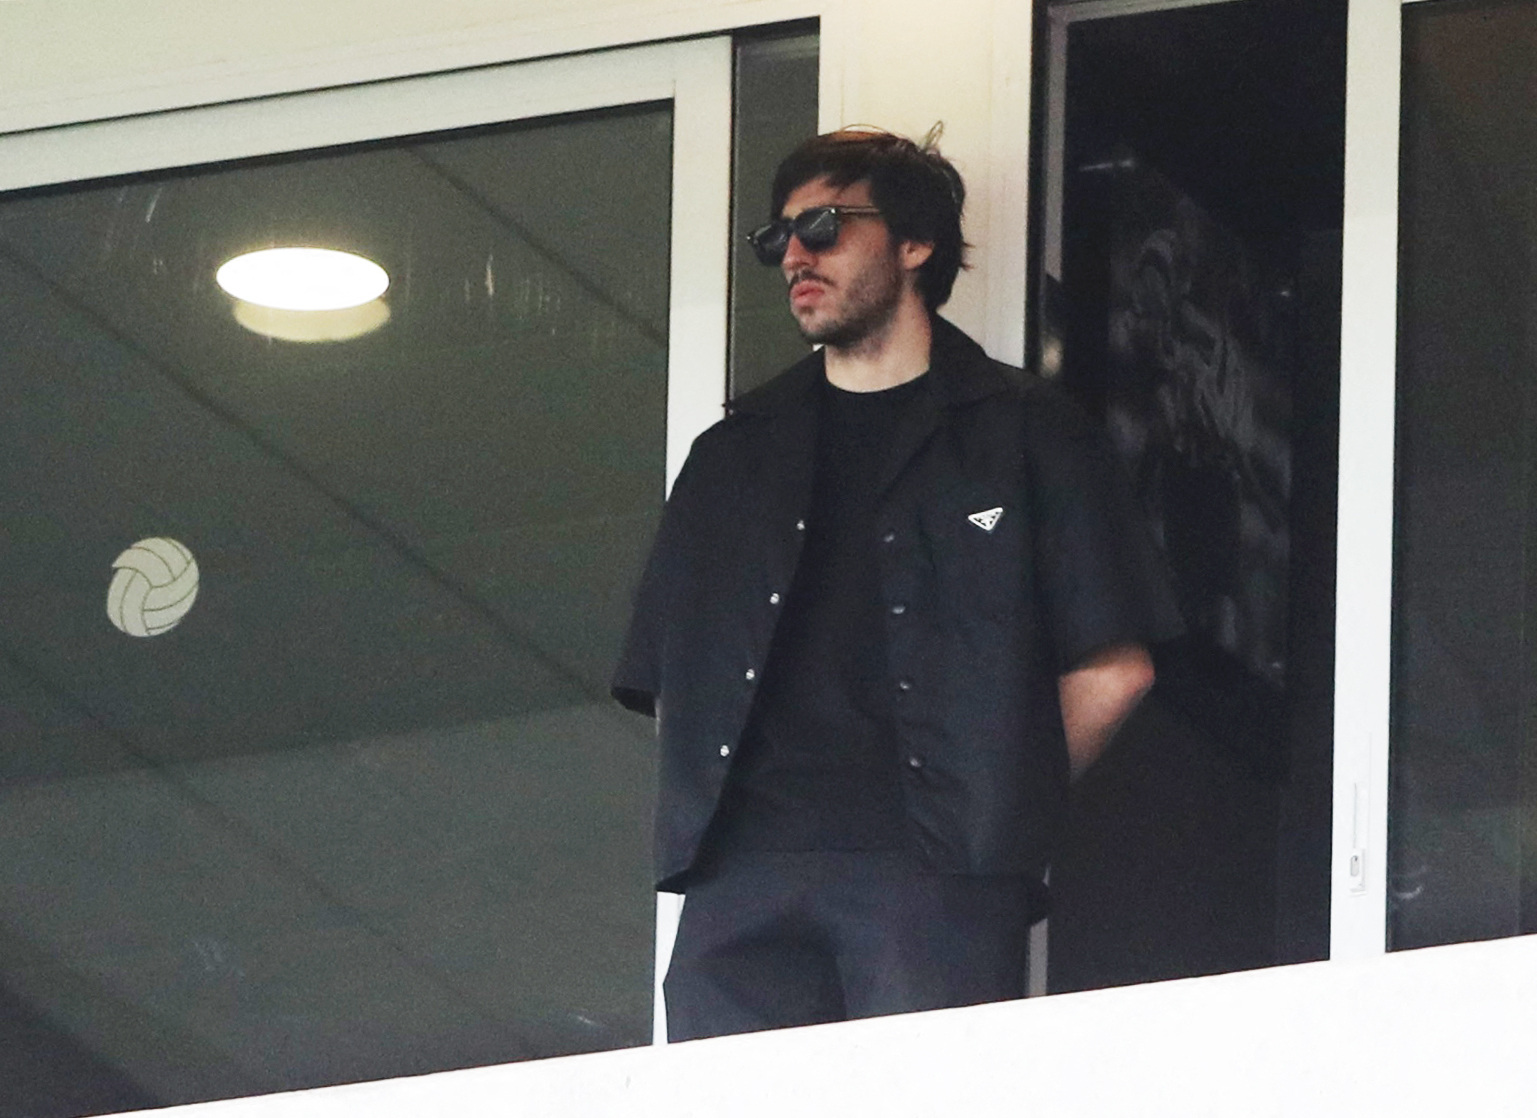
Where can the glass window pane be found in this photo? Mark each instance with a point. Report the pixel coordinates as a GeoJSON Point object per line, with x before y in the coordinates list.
{"type": "Point", "coordinates": [1463, 861]}
{"type": "Point", "coordinates": [363, 809]}
{"type": "Point", "coordinates": [1188, 295]}
{"type": "Point", "coordinates": [776, 108]}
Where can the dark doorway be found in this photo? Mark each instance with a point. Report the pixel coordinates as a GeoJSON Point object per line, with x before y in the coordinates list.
{"type": "Point", "coordinates": [1187, 292]}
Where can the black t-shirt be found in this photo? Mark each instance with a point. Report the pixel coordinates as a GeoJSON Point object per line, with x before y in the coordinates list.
{"type": "Point", "coordinates": [818, 766]}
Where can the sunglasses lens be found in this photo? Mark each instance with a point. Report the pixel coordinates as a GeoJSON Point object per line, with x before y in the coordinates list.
{"type": "Point", "coordinates": [771, 241]}
{"type": "Point", "coordinates": [817, 228]}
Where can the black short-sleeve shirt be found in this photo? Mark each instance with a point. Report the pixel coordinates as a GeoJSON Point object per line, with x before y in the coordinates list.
{"type": "Point", "coordinates": [1006, 548]}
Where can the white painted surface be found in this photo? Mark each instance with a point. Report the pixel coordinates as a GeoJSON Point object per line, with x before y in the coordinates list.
{"type": "Point", "coordinates": [701, 232]}
{"type": "Point", "coordinates": [63, 61]}
{"type": "Point", "coordinates": [1447, 1030]}
{"type": "Point", "coordinates": [1364, 611]}
{"type": "Point", "coordinates": [904, 64]}
{"type": "Point", "coordinates": [669, 911]}
{"type": "Point", "coordinates": [1005, 199]}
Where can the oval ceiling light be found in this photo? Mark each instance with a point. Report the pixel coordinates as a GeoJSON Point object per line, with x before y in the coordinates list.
{"type": "Point", "coordinates": [303, 279]}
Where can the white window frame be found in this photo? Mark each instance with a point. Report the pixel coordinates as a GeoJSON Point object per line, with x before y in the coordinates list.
{"type": "Point", "coordinates": [1368, 393]}
{"type": "Point", "coordinates": [694, 75]}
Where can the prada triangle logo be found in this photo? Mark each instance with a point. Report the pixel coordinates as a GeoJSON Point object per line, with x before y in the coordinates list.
{"type": "Point", "coordinates": [987, 519]}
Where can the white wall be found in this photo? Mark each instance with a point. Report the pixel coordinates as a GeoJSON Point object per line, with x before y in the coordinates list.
{"type": "Point", "coordinates": [899, 63]}
{"type": "Point", "coordinates": [1448, 1030]}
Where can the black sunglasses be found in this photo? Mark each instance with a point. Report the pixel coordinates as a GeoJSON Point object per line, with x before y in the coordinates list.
{"type": "Point", "coordinates": [817, 229]}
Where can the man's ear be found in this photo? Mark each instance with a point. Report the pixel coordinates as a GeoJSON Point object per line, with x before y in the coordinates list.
{"type": "Point", "coordinates": [914, 254]}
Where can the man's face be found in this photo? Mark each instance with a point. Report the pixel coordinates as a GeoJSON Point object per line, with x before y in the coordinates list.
{"type": "Point", "coordinates": [844, 294]}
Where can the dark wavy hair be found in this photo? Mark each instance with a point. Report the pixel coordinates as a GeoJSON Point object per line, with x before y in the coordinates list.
{"type": "Point", "coordinates": [917, 190]}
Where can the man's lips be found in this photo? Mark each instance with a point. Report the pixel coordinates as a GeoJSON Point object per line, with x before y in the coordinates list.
{"type": "Point", "coordinates": [806, 290]}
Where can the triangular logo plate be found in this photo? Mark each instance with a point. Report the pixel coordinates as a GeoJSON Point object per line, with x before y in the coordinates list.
{"type": "Point", "coordinates": [987, 519]}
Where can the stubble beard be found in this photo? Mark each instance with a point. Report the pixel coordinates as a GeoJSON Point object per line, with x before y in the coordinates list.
{"type": "Point", "coordinates": [870, 303]}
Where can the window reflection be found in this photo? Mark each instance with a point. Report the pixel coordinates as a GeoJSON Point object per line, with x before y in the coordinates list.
{"type": "Point", "coordinates": [1189, 296]}
{"type": "Point", "coordinates": [366, 810]}
{"type": "Point", "coordinates": [1463, 813]}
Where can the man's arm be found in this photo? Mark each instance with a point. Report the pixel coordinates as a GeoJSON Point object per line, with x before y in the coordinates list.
{"type": "Point", "coordinates": [1097, 696]}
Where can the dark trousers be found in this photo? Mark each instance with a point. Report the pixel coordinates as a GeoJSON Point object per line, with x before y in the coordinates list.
{"type": "Point", "coordinates": [771, 939]}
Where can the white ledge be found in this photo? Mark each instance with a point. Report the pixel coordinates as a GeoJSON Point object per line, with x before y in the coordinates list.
{"type": "Point", "coordinates": [1448, 1030]}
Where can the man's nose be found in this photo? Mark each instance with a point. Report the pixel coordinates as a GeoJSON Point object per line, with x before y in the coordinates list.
{"type": "Point", "coordinates": [796, 256]}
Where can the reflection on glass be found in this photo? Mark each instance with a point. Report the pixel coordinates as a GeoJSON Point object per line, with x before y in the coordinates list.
{"type": "Point", "coordinates": [1463, 812]}
{"type": "Point", "coordinates": [340, 324]}
{"type": "Point", "coordinates": [297, 278]}
{"type": "Point", "coordinates": [367, 810]}
{"type": "Point", "coordinates": [776, 108]}
{"type": "Point", "coordinates": [1187, 294]}
{"type": "Point", "coordinates": [154, 584]}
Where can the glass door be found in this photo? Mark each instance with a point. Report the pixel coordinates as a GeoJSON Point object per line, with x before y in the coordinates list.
{"type": "Point", "coordinates": [1187, 293]}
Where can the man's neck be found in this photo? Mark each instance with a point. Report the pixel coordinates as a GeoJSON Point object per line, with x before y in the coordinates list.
{"type": "Point", "coordinates": [885, 358]}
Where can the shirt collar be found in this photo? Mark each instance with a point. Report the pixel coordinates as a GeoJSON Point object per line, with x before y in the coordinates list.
{"type": "Point", "coordinates": [959, 373]}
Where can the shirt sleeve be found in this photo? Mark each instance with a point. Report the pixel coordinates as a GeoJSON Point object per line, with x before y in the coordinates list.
{"type": "Point", "coordinates": [1101, 577]}
{"type": "Point", "coordinates": [637, 679]}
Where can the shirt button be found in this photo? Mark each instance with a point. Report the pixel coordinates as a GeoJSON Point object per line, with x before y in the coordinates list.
{"type": "Point", "coordinates": [750, 675]}
{"type": "Point", "coordinates": [725, 751]}
{"type": "Point", "coordinates": [898, 608]}
{"type": "Point", "coordinates": [774, 598]}
{"type": "Point", "coordinates": [915, 762]}
{"type": "Point", "coordinates": [904, 685]}
{"type": "Point", "coordinates": [800, 525]}
{"type": "Point", "coordinates": [889, 537]}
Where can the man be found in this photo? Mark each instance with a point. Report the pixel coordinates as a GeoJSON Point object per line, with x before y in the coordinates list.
{"type": "Point", "coordinates": [895, 601]}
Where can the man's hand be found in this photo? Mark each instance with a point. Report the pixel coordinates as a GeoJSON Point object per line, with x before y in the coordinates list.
{"type": "Point", "coordinates": [1097, 696]}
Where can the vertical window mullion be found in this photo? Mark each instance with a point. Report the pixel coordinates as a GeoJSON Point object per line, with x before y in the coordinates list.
{"type": "Point", "coordinates": [1368, 343]}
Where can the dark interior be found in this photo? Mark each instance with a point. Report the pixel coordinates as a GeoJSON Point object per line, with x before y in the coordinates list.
{"type": "Point", "coordinates": [1463, 801]}
{"type": "Point", "coordinates": [1201, 842]}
